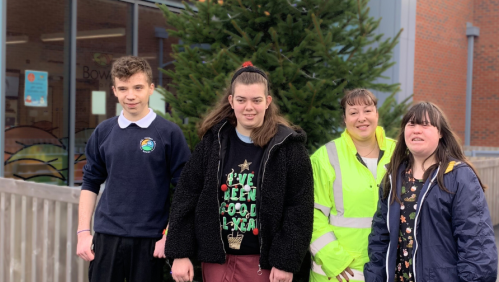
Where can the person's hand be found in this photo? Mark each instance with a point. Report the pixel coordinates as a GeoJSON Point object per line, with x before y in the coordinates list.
{"type": "Point", "coordinates": [344, 274]}
{"type": "Point", "coordinates": [159, 249]}
{"type": "Point", "coordinates": [277, 275]}
{"type": "Point", "coordinates": [84, 246]}
{"type": "Point", "coordinates": [182, 270]}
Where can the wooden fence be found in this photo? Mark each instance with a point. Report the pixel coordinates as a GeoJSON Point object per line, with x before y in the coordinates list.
{"type": "Point", "coordinates": [488, 170]}
{"type": "Point", "coordinates": [38, 228]}
{"type": "Point", "coordinates": [38, 233]}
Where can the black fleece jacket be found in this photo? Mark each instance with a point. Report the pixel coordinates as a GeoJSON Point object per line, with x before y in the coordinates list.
{"type": "Point", "coordinates": [285, 202]}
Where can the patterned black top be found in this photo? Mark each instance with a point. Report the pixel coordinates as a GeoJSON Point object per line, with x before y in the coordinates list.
{"type": "Point", "coordinates": [238, 213]}
{"type": "Point", "coordinates": [410, 192]}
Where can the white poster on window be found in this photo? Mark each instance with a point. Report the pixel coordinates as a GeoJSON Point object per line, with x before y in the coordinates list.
{"type": "Point", "coordinates": [98, 102]}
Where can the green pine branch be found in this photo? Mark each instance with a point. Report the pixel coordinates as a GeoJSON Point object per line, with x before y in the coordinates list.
{"type": "Point", "coordinates": [312, 51]}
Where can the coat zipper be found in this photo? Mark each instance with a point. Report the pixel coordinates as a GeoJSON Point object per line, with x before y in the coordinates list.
{"type": "Point", "coordinates": [416, 224]}
{"type": "Point", "coordinates": [218, 183]}
{"type": "Point", "coordinates": [259, 272]}
{"type": "Point", "coordinates": [375, 182]}
{"type": "Point", "coordinates": [388, 226]}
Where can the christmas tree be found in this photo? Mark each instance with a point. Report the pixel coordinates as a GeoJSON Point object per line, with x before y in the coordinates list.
{"type": "Point", "coordinates": [390, 114]}
{"type": "Point", "coordinates": [312, 51]}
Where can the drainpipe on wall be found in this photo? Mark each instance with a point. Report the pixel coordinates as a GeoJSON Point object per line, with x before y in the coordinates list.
{"type": "Point", "coordinates": [471, 32]}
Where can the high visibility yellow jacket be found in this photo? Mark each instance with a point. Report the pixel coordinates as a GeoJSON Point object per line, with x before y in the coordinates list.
{"type": "Point", "coordinates": [346, 196]}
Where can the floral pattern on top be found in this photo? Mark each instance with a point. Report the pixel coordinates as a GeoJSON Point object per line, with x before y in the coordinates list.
{"type": "Point", "coordinates": [410, 193]}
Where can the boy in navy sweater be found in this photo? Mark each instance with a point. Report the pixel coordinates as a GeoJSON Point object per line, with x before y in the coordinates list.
{"type": "Point", "coordinates": [138, 155]}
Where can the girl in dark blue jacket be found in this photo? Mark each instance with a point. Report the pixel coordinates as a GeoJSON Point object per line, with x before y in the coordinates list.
{"type": "Point", "coordinates": [432, 222]}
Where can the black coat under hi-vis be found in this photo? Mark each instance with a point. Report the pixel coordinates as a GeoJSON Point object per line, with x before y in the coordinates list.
{"type": "Point", "coordinates": [285, 201]}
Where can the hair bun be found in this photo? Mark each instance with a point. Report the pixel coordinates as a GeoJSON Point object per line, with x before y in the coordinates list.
{"type": "Point", "coordinates": [247, 64]}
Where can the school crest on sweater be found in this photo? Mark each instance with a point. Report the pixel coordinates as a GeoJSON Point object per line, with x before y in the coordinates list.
{"type": "Point", "coordinates": [147, 145]}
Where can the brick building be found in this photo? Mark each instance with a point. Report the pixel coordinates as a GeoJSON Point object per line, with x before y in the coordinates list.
{"type": "Point", "coordinates": [431, 58]}
{"type": "Point", "coordinates": [484, 126]}
{"type": "Point", "coordinates": [440, 63]}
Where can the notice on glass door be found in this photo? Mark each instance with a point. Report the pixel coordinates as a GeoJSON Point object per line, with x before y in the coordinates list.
{"type": "Point", "coordinates": [36, 88]}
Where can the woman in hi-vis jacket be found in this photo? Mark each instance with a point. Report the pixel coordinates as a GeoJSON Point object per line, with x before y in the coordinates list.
{"type": "Point", "coordinates": [347, 172]}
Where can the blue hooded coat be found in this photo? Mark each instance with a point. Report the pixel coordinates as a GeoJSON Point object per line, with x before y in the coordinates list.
{"type": "Point", "coordinates": [454, 236]}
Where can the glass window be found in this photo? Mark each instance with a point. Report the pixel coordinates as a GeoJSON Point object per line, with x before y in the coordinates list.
{"type": "Point", "coordinates": [35, 139]}
{"type": "Point", "coordinates": [36, 117]}
{"type": "Point", "coordinates": [104, 34]}
{"type": "Point", "coordinates": [155, 45]}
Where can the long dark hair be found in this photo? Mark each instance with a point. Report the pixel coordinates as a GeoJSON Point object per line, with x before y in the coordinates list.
{"type": "Point", "coordinates": [223, 110]}
{"type": "Point", "coordinates": [448, 148]}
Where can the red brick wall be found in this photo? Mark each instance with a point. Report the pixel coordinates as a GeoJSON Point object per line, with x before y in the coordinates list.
{"type": "Point", "coordinates": [440, 56]}
{"type": "Point", "coordinates": [484, 123]}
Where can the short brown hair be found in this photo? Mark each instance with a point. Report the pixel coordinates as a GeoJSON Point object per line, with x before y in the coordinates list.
{"type": "Point", "coordinates": [124, 67]}
{"type": "Point", "coordinates": [358, 96]}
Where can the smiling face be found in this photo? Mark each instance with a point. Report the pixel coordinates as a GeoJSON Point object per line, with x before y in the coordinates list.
{"type": "Point", "coordinates": [249, 103]}
{"type": "Point", "coordinates": [361, 121]}
{"type": "Point", "coordinates": [421, 138]}
{"type": "Point", "coordinates": [133, 95]}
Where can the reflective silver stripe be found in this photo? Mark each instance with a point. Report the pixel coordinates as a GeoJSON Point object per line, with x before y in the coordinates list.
{"type": "Point", "coordinates": [332, 153]}
{"type": "Point", "coordinates": [352, 222]}
{"type": "Point", "coordinates": [317, 268]}
{"type": "Point", "coordinates": [338, 219]}
{"type": "Point", "coordinates": [357, 275]}
{"type": "Point", "coordinates": [321, 242]}
{"type": "Point", "coordinates": [325, 210]}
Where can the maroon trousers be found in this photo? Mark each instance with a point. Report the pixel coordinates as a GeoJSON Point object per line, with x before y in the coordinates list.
{"type": "Point", "coordinates": [235, 269]}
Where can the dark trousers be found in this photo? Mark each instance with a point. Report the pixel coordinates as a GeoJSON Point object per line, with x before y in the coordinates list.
{"type": "Point", "coordinates": [119, 258]}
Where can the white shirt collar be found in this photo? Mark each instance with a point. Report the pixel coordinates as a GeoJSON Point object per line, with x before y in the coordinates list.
{"type": "Point", "coordinates": [143, 122]}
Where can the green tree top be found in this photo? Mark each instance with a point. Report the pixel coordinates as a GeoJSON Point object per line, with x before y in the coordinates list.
{"type": "Point", "coordinates": [311, 50]}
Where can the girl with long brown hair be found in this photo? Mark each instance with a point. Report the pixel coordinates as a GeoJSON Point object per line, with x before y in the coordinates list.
{"type": "Point", "coordinates": [244, 202]}
{"type": "Point", "coordinates": [432, 222]}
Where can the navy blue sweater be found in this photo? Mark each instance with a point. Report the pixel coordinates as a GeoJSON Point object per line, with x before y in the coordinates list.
{"type": "Point", "coordinates": [138, 165]}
